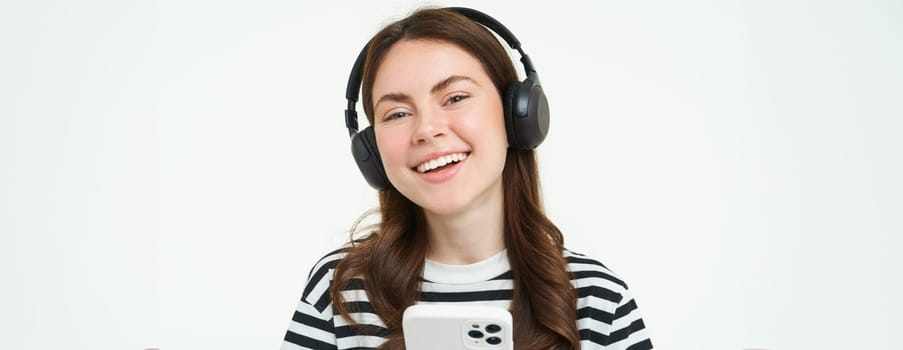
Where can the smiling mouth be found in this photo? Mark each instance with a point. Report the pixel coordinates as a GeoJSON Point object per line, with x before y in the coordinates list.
{"type": "Point", "coordinates": [440, 163]}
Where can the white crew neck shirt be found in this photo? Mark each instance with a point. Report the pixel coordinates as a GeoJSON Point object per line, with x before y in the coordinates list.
{"type": "Point", "coordinates": [480, 271]}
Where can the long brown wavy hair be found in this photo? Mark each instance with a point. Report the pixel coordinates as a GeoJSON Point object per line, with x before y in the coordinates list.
{"type": "Point", "coordinates": [390, 259]}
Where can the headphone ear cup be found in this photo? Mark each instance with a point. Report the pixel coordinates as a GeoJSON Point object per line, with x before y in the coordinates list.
{"type": "Point", "coordinates": [533, 129]}
{"type": "Point", "coordinates": [366, 155]}
{"type": "Point", "coordinates": [526, 114]}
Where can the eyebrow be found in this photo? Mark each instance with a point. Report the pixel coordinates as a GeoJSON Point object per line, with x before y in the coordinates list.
{"type": "Point", "coordinates": [401, 97]}
{"type": "Point", "coordinates": [450, 80]}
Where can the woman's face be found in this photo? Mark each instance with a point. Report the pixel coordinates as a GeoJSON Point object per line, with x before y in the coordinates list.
{"type": "Point", "coordinates": [439, 126]}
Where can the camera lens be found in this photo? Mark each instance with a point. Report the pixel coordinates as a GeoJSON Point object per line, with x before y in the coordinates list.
{"type": "Point", "coordinates": [493, 328]}
{"type": "Point", "coordinates": [475, 334]}
{"type": "Point", "coordinates": [494, 340]}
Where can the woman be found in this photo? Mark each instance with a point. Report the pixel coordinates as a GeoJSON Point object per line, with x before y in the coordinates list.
{"type": "Point", "coordinates": [461, 215]}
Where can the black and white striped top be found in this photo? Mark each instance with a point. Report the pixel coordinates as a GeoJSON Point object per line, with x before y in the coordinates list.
{"type": "Point", "coordinates": [607, 315]}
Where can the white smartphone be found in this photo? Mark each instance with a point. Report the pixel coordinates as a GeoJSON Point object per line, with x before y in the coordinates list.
{"type": "Point", "coordinates": [457, 327]}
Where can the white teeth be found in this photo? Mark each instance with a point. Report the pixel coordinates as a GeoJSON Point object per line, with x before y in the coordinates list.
{"type": "Point", "coordinates": [438, 162]}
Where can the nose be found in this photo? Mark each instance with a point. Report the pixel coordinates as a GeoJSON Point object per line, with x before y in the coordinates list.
{"type": "Point", "coordinates": [430, 125]}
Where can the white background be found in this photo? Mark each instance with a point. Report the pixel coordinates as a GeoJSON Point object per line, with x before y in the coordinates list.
{"type": "Point", "coordinates": [171, 170]}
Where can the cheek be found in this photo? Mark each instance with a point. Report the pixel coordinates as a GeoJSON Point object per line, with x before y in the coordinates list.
{"type": "Point", "coordinates": [391, 147]}
{"type": "Point", "coordinates": [496, 121]}
{"type": "Point", "coordinates": [487, 125]}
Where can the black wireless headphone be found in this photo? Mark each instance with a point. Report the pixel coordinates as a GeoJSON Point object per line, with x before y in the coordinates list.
{"type": "Point", "coordinates": [525, 105]}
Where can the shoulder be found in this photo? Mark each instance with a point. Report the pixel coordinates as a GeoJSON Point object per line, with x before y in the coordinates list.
{"type": "Point", "coordinates": [316, 290]}
{"type": "Point", "coordinates": [592, 278]}
{"type": "Point", "coordinates": [326, 263]}
{"type": "Point", "coordinates": [607, 314]}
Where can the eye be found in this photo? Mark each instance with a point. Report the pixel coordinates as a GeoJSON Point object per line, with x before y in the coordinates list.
{"type": "Point", "coordinates": [456, 98]}
{"type": "Point", "coordinates": [393, 116]}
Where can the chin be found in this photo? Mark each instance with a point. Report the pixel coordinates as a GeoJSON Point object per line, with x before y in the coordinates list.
{"type": "Point", "coordinates": [444, 207]}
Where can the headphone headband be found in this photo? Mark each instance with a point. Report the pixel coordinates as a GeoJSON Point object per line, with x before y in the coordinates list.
{"type": "Point", "coordinates": [352, 91]}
